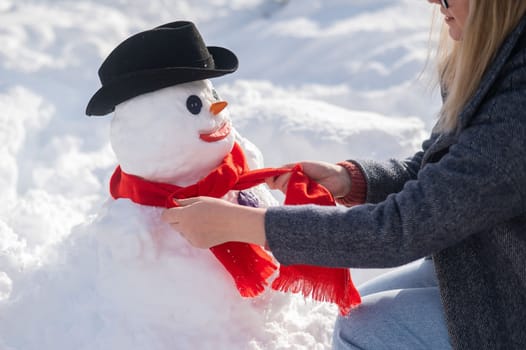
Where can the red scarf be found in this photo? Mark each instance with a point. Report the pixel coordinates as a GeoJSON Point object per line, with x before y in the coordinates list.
{"type": "Point", "coordinates": [249, 264]}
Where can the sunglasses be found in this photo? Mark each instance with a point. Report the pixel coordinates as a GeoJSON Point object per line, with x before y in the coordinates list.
{"type": "Point", "coordinates": [444, 3]}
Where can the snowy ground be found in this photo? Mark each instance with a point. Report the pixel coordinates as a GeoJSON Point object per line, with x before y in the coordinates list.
{"type": "Point", "coordinates": [318, 79]}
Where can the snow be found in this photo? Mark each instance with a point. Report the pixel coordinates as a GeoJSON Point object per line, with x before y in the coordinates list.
{"type": "Point", "coordinates": [318, 79]}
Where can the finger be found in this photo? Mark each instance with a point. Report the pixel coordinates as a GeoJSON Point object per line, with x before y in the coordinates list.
{"type": "Point", "coordinates": [170, 216]}
{"type": "Point", "coordinates": [272, 181]}
{"type": "Point", "coordinates": [176, 228]}
{"type": "Point", "coordinates": [186, 201]}
{"type": "Point", "coordinates": [283, 181]}
{"type": "Point", "coordinates": [279, 182]}
{"type": "Point", "coordinates": [289, 165]}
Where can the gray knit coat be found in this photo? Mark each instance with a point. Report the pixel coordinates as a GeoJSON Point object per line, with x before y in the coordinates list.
{"type": "Point", "coordinates": [461, 199]}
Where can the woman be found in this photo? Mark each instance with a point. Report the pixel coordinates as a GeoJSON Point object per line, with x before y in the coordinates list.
{"type": "Point", "coordinates": [461, 200]}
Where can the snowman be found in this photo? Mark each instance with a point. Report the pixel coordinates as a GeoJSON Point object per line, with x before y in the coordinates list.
{"type": "Point", "coordinates": [170, 131]}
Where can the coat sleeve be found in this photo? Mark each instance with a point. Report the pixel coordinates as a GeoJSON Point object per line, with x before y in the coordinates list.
{"type": "Point", "coordinates": [384, 178]}
{"type": "Point", "coordinates": [479, 183]}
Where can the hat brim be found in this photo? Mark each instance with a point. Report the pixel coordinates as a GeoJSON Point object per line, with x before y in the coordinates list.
{"type": "Point", "coordinates": [141, 82]}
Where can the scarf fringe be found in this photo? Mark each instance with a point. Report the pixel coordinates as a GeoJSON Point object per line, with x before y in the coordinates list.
{"type": "Point", "coordinates": [248, 264]}
{"type": "Point", "coordinates": [320, 284]}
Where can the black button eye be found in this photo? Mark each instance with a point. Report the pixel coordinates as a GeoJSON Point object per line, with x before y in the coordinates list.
{"type": "Point", "coordinates": [194, 104]}
{"type": "Point", "coordinates": [214, 93]}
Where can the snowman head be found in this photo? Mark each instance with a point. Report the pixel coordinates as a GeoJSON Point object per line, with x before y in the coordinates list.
{"type": "Point", "coordinates": [175, 135]}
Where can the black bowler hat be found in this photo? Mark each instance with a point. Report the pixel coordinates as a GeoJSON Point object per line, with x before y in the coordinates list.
{"type": "Point", "coordinates": [170, 54]}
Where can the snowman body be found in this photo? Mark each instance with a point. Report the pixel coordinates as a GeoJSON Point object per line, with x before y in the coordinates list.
{"type": "Point", "coordinates": [175, 296]}
{"type": "Point", "coordinates": [178, 135]}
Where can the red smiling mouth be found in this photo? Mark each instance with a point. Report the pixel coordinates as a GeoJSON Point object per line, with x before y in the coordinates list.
{"type": "Point", "coordinates": [218, 134]}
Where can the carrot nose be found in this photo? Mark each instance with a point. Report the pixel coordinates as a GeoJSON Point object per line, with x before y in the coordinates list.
{"type": "Point", "coordinates": [217, 107]}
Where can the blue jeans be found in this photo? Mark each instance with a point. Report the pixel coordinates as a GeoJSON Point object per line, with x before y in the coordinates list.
{"type": "Point", "coordinates": [400, 309]}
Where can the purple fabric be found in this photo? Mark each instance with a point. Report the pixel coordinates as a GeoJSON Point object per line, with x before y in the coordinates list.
{"type": "Point", "coordinates": [247, 199]}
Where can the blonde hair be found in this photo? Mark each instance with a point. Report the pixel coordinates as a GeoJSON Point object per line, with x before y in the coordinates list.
{"type": "Point", "coordinates": [461, 64]}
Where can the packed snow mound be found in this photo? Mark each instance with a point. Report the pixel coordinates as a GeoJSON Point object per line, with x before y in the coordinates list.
{"type": "Point", "coordinates": [126, 280]}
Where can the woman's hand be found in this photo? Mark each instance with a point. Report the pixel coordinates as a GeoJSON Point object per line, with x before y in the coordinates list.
{"type": "Point", "coordinates": [334, 178]}
{"type": "Point", "coordinates": [206, 222]}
